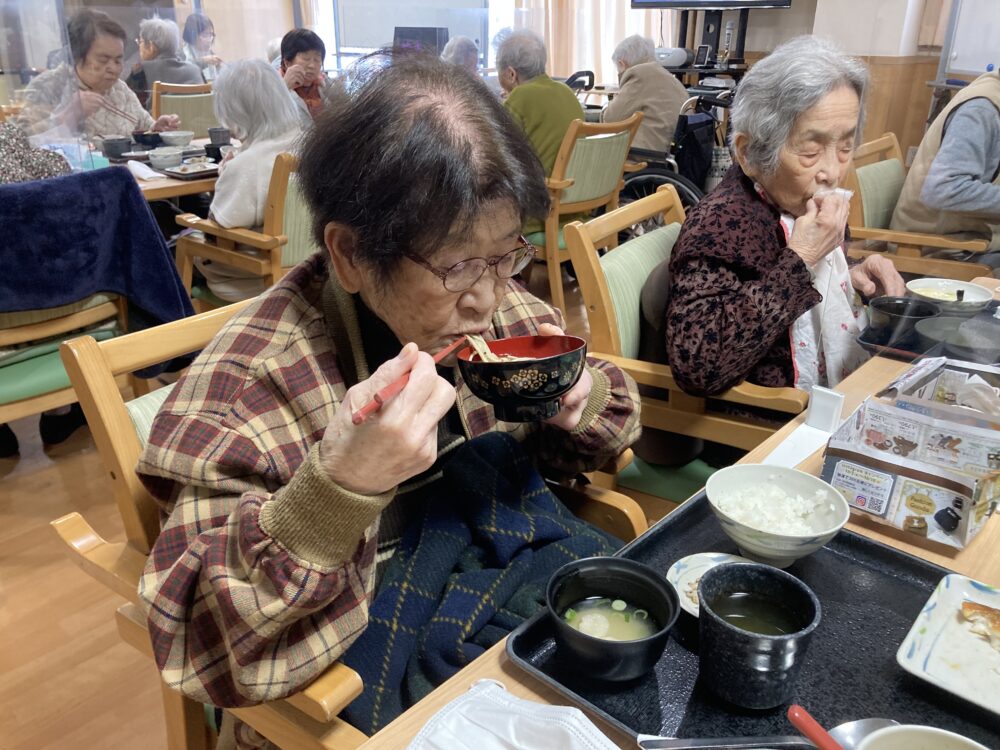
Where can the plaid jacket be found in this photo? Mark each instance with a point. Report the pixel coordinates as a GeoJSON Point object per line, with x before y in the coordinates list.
{"type": "Point", "coordinates": [261, 576]}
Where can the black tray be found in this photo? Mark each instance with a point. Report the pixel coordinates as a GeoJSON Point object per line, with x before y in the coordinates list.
{"type": "Point", "coordinates": [871, 594]}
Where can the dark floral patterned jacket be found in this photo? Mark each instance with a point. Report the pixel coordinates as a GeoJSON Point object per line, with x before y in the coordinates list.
{"type": "Point", "coordinates": [735, 288]}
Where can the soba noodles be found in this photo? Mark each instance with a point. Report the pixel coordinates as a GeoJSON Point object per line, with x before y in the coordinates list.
{"type": "Point", "coordinates": [485, 354]}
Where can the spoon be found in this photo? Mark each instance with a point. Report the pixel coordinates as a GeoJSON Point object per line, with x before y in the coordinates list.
{"type": "Point", "coordinates": [849, 734]}
{"type": "Point", "coordinates": [805, 723]}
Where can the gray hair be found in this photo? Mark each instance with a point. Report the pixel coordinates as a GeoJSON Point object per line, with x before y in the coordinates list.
{"type": "Point", "coordinates": [633, 50]}
{"type": "Point", "coordinates": [253, 102]}
{"type": "Point", "coordinates": [460, 50]}
{"type": "Point", "coordinates": [163, 33]}
{"type": "Point", "coordinates": [524, 51]}
{"type": "Point", "coordinates": [782, 86]}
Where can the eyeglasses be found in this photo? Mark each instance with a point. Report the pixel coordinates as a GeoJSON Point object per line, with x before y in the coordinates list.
{"type": "Point", "coordinates": [208, 34]}
{"type": "Point", "coordinates": [466, 273]}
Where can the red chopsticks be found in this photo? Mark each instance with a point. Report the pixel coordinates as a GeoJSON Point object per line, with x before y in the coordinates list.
{"type": "Point", "coordinates": [397, 385]}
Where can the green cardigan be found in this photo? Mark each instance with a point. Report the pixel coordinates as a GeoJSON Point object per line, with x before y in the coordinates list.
{"type": "Point", "coordinates": [544, 108]}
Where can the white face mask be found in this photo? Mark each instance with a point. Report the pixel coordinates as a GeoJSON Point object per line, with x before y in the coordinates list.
{"type": "Point", "coordinates": [489, 718]}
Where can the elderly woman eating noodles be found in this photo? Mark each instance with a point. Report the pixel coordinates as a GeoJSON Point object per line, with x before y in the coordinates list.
{"type": "Point", "coordinates": [294, 533]}
{"type": "Point", "coordinates": [760, 287]}
{"type": "Point", "coordinates": [89, 96]}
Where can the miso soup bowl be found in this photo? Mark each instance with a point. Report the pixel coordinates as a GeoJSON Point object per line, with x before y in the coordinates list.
{"type": "Point", "coordinates": [614, 578]}
{"type": "Point", "coordinates": [527, 390]}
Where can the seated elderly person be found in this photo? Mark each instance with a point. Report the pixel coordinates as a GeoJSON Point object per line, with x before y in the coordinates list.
{"type": "Point", "coordinates": [88, 96]}
{"type": "Point", "coordinates": [953, 186]}
{"type": "Point", "coordinates": [279, 503]}
{"type": "Point", "coordinates": [159, 47]}
{"type": "Point", "coordinates": [542, 107]}
{"type": "Point", "coordinates": [302, 56]}
{"type": "Point", "coordinates": [251, 100]}
{"type": "Point", "coordinates": [760, 288]}
{"type": "Point", "coordinates": [460, 50]}
{"type": "Point", "coordinates": [645, 86]}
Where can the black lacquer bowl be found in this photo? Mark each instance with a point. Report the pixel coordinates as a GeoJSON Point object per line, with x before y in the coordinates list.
{"type": "Point", "coordinates": [526, 390]}
{"type": "Point", "coordinates": [612, 577]}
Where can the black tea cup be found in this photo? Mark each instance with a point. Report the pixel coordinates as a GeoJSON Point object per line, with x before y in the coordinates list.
{"type": "Point", "coordinates": [747, 668]}
{"type": "Point", "coordinates": [218, 136]}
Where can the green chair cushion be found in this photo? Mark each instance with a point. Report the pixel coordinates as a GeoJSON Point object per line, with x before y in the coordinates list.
{"type": "Point", "coordinates": [538, 239]}
{"type": "Point", "coordinates": [39, 374]}
{"type": "Point", "coordinates": [142, 410]}
{"type": "Point", "coordinates": [27, 317]}
{"type": "Point", "coordinates": [297, 227]}
{"type": "Point", "coordinates": [195, 110]}
{"type": "Point", "coordinates": [626, 270]}
{"type": "Point", "coordinates": [880, 184]}
{"type": "Point", "coordinates": [674, 483]}
{"type": "Point", "coordinates": [595, 166]}
{"type": "Point", "coordinates": [16, 354]}
{"type": "Point", "coordinates": [202, 292]}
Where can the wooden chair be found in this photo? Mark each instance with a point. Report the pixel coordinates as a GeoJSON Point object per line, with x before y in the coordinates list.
{"type": "Point", "coordinates": [876, 177]}
{"type": "Point", "coordinates": [587, 174]}
{"type": "Point", "coordinates": [285, 239]}
{"type": "Point", "coordinates": [304, 721]}
{"type": "Point", "coordinates": [191, 102]}
{"type": "Point", "coordinates": [611, 287]}
{"type": "Point", "coordinates": [32, 377]}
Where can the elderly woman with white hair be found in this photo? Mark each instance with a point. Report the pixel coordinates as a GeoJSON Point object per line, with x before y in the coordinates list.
{"type": "Point", "coordinates": [253, 102]}
{"type": "Point", "coordinates": [644, 86]}
{"type": "Point", "coordinates": [159, 52]}
{"type": "Point", "coordinates": [461, 51]}
{"type": "Point", "coordinates": [542, 107]}
{"type": "Point", "coordinates": [760, 288]}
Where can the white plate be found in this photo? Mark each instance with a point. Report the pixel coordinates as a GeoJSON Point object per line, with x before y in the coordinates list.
{"type": "Point", "coordinates": [685, 573]}
{"type": "Point", "coordinates": [187, 170]}
{"type": "Point", "coordinates": [941, 648]}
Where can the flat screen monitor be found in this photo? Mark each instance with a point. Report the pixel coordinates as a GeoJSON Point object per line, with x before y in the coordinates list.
{"type": "Point", "coordinates": [711, 4]}
{"type": "Point", "coordinates": [420, 38]}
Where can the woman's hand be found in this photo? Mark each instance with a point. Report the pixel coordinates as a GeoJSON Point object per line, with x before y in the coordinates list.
{"type": "Point", "coordinates": [820, 230]}
{"type": "Point", "coordinates": [574, 401]}
{"type": "Point", "coordinates": [294, 77]}
{"type": "Point", "coordinates": [877, 275]}
{"type": "Point", "coordinates": [167, 122]}
{"type": "Point", "coordinates": [212, 60]}
{"type": "Point", "coordinates": [397, 442]}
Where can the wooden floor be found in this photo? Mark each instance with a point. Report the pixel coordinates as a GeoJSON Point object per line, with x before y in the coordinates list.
{"type": "Point", "coordinates": [66, 680]}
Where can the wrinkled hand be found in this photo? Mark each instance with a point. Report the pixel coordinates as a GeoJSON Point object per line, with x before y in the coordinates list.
{"type": "Point", "coordinates": [877, 275]}
{"type": "Point", "coordinates": [212, 60]}
{"type": "Point", "coordinates": [574, 401]}
{"type": "Point", "coordinates": [397, 442]}
{"type": "Point", "coordinates": [167, 122]}
{"type": "Point", "coordinates": [89, 102]}
{"type": "Point", "coordinates": [821, 229]}
{"type": "Point", "coordinates": [295, 76]}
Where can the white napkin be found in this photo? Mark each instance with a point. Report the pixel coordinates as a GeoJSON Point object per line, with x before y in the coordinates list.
{"type": "Point", "coordinates": [141, 172]}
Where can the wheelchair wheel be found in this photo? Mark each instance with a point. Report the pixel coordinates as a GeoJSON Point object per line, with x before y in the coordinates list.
{"type": "Point", "coordinates": [644, 183]}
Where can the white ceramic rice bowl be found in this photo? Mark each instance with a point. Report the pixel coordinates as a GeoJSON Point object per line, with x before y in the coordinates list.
{"type": "Point", "coordinates": [779, 550]}
{"type": "Point", "coordinates": [162, 158]}
{"type": "Point", "coordinates": [176, 137]}
{"type": "Point", "coordinates": [975, 298]}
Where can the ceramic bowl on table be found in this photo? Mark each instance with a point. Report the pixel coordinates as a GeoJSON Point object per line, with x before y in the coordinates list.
{"type": "Point", "coordinates": [115, 147]}
{"type": "Point", "coordinates": [177, 137]}
{"type": "Point", "coordinates": [147, 138]}
{"type": "Point", "coordinates": [528, 389]}
{"type": "Point", "coordinates": [945, 292]}
{"type": "Point", "coordinates": [962, 338]}
{"type": "Point", "coordinates": [891, 320]}
{"type": "Point", "coordinates": [914, 737]}
{"type": "Point", "coordinates": [745, 500]}
{"type": "Point", "coordinates": [611, 578]}
{"type": "Point", "coordinates": [163, 158]}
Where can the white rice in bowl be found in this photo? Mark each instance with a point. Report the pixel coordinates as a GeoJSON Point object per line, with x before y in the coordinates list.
{"type": "Point", "coordinates": [769, 508]}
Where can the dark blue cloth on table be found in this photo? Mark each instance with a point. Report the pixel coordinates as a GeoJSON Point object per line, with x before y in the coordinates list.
{"type": "Point", "coordinates": [67, 238]}
{"type": "Point", "coordinates": [467, 573]}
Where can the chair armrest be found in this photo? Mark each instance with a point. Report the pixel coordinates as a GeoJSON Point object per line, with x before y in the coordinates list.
{"type": "Point", "coordinates": [243, 236]}
{"type": "Point", "coordinates": [610, 511]}
{"type": "Point", "coordinates": [329, 694]}
{"type": "Point", "coordinates": [117, 565]}
{"type": "Point", "coordinates": [634, 166]}
{"type": "Point", "coordinates": [558, 184]}
{"type": "Point", "coordinates": [790, 400]}
{"type": "Point", "coordinates": [915, 239]}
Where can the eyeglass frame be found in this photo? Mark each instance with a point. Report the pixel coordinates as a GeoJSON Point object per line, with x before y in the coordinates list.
{"type": "Point", "coordinates": [492, 262]}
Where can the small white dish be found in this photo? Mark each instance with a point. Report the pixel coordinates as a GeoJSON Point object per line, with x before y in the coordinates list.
{"type": "Point", "coordinates": [200, 160]}
{"type": "Point", "coordinates": [942, 649]}
{"type": "Point", "coordinates": [686, 572]}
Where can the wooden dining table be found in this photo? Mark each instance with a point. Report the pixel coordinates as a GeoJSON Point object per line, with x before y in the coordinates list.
{"type": "Point", "coordinates": [170, 187]}
{"type": "Point", "coordinates": [979, 560]}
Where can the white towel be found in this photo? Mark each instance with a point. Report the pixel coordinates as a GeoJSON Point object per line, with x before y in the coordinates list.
{"type": "Point", "coordinates": [141, 172]}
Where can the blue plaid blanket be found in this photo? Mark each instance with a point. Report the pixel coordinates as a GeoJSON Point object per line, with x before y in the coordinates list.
{"type": "Point", "coordinates": [465, 575]}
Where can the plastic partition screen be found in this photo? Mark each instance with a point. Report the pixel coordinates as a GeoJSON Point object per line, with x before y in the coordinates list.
{"type": "Point", "coordinates": [711, 4]}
